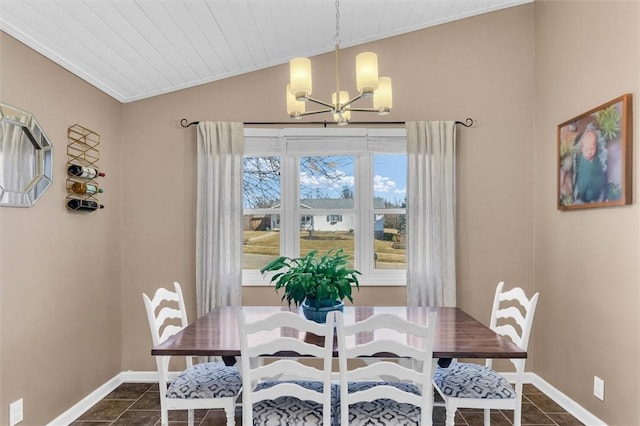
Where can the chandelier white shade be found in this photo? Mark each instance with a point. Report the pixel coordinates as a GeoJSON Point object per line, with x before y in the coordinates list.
{"type": "Point", "coordinates": [367, 72]}
{"type": "Point", "coordinates": [382, 96]}
{"type": "Point", "coordinates": [368, 83]}
{"type": "Point", "coordinates": [300, 74]}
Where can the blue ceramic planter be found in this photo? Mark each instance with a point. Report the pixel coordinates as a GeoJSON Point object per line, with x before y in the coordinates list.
{"type": "Point", "coordinates": [320, 314]}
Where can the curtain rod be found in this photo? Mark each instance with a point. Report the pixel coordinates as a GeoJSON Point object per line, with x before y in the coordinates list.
{"type": "Point", "coordinates": [185, 123]}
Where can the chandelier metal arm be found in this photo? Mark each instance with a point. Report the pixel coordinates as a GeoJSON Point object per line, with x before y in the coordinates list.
{"type": "Point", "coordinates": [344, 106]}
{"type": "Point", "coordinates": [362, 109]}
{"type": "Point", "coordinates": [302, 114]}
{"type": "Point", "coordinates": [319, 102]}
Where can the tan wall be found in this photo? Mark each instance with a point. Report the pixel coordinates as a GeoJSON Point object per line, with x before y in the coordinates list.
{"type": "Point", "coordinates": [60, 311]}
{"type": "Point", "coordinates": [586, 262]}
{"type": "Point", "coordinates": [78, 319]}
{"type": "Point", "coordinates": [480, 68]}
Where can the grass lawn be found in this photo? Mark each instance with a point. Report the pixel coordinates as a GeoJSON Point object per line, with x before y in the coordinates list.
{"type": "Point", "coordinates": [268, 243]}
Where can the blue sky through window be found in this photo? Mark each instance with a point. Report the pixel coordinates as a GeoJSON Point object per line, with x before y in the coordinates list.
{"type": "Point", "coordinates": [390, 178]}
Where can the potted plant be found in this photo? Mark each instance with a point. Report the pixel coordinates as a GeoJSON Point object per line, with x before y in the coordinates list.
{"type": "Point", "coordinates": [318, 283]}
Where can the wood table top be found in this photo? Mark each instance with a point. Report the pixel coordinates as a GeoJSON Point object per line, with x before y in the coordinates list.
{"type": "Point", "coordinates": [458, 335]}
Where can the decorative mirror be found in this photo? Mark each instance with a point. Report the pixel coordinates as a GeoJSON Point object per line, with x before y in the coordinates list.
{"type": "Point", "coordinates": [26, 158]}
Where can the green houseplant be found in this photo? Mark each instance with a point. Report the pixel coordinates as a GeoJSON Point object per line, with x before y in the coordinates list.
{"type": "Point", "coordinates": [318, 283]}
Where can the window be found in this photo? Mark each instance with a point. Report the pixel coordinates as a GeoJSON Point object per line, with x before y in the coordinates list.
{"type": "Point", "coordinates": [334, 218]}
{"type": "Point", "coordinates": [307, 189]}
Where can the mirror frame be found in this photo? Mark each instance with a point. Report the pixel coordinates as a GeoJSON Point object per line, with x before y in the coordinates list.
{"type": "Point", "coordinates": [13, 153]}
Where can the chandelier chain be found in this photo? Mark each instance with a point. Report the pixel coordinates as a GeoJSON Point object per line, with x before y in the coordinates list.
{"type": "Point", "coordinates": [336, 38]}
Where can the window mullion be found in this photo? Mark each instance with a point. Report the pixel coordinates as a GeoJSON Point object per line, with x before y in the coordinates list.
{"type": "Point", "coordinates": [289, 179]}
{"type": "Point", "coordinates": [364, 194]}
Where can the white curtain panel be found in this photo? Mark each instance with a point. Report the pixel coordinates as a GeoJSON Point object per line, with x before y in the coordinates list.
{"type": "Point", "coordinates": [431, 213]}
{"type": "Point", "coordinates": [219, 215]}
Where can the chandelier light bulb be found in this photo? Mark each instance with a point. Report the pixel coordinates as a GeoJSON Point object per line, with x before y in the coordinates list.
{"type": "Point", "coordinates": [300, 77]}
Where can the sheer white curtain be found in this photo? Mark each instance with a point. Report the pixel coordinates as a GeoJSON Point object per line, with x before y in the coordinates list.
{"type": "Point", "coordinates": [219, 215]}
{"type": "Point", "coordinates": [431, 213]}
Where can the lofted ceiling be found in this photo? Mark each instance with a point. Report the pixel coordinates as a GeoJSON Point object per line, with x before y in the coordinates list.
{"type": "Point", "coordinates": [135, 49]}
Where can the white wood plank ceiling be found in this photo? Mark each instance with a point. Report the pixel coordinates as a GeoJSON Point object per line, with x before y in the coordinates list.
{"type": "Point", "coordinates": [134, 49]}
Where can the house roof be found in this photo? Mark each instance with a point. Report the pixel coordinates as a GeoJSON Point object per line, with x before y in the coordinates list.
{"type": "Point", "coordinates": [335, 203]}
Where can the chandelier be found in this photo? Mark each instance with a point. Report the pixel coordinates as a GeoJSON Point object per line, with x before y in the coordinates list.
{"type": "Point", "coordinates": [368, 83]}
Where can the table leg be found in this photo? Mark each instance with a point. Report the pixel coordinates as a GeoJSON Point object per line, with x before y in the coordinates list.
{"type": "Point", "coordinates": [229, 360]}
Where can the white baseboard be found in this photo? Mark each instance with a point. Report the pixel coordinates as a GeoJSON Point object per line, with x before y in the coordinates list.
{"type": "Point", "coordinates": [572, 407]}
{"type": "Point", "coordinates": [69, 416]}
{"type": "Point", "coordinates": [94, 397]}
{"type": "Point", "coordinates": [565, 402]}
{"type": "Point", "coordinates": [87, 402]}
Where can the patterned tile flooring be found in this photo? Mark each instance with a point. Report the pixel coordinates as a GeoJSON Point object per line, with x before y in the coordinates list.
{"type": "Point", "coordinates": [139, 404]}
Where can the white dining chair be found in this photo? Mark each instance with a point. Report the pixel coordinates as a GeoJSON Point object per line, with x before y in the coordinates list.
{"type": "Point", "coordinates": [386, 392]}
{"type": "Point", "coordinates": [207, 385]}
{"type": "Point", "coordinates": [466, 385]}
{"type": "Point", "coordinates": [286, 391]}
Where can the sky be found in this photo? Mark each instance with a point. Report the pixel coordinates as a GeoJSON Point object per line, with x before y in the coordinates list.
{"type": "Point", "coordinates": [390, 179]}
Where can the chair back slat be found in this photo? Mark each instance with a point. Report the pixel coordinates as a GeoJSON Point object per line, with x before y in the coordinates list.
{"type": "Point", "coordinates": [162, 295]}
{"type": "Point", "coordinates": [169, 331]}
{"type": "Point", "coordinates": [393, 347]}
{"type": "Point", "coordinates": [277, 320]}
{"type": "Point", "coordinates": [385, 369]}
{"type": "Point", "coordinates": [509, 331]}
{"type": "Point", "coordinates": [512, 313]}
{"type": "Point", "coordinates": [292, 368]}
{"type": "Point", "coordinates": [386, 392]}
{"type": "Point", "coordinates": [287, 389]}
{"type": "Point", "coordinates": [285, 344]}
{"type": "Point", "coordinates": [388, 322]}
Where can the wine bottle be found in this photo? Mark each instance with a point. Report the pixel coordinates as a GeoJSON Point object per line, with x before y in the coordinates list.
{"type": "Point", "coordinates": [85, 188]}
{"type": "Point", "coordinates": [84, 172]}
{"type": "Point", "coordinates": [85, 205]}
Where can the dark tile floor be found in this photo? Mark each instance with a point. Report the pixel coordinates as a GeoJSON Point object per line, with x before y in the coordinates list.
{"type": "Point", "coordinates": [139, 404]}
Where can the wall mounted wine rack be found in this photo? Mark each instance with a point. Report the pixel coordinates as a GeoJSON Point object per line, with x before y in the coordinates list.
{"type": "Point", "coordinates": [82, 150]}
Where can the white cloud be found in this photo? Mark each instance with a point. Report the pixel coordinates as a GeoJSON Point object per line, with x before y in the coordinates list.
{"type": "Point", "coordinates": [384, 184]}
{"type": "Point", "coordinates": [338, 180]}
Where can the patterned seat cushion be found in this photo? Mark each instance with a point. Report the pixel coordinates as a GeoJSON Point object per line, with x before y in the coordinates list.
{"type": "Point", "coordinates": [206, 380]}
{"type": "Point", "coordinates": [383, 411]}
{"type": "Point", "coordinates": [289, 411]}
{"type": "Point", "coordinates": [463, 380]}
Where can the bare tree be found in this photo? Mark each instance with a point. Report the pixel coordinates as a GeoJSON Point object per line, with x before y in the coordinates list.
{"type": "Point", "coordinates": [261, 183]}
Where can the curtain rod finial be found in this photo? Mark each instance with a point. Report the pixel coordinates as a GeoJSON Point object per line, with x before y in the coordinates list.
{"type": "Point", "coordinates": [184, 122]}
{"type": "Point", "coordinates": [467, 123]}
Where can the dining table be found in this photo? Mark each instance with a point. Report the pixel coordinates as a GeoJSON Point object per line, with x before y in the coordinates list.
{"type": "Point", "coordinates": [457, 334]}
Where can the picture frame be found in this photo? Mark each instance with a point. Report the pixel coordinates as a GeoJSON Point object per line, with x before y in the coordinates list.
{"type": "Point", "coordinates": [595, 157]}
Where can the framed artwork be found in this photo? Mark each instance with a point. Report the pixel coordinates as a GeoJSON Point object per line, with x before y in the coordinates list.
{"type": "Point", "coordinates": [595, 157]}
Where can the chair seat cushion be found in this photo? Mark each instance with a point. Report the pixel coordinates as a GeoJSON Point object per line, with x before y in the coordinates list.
{"type": "Point", "coordinates": [206, 380]}
{"type": "Point", "coordinates": [383, 411]}
{"type": "Point", "coordinates": [289, 410]}
{"type": "Point", "coordinates": [464, 380]}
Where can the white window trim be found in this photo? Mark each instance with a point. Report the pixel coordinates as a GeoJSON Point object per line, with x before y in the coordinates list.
{"type": "Point", "coordinates": [291, 143]}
